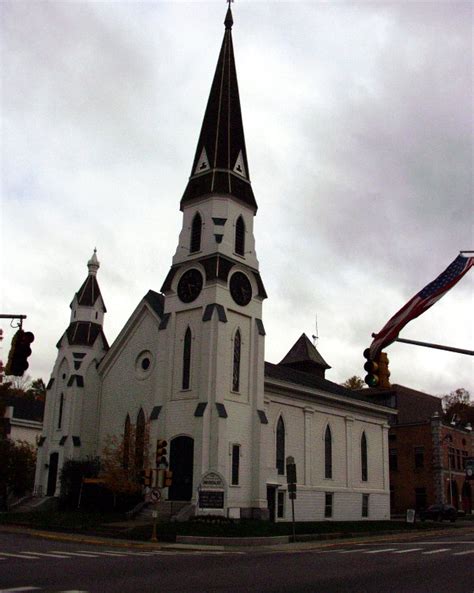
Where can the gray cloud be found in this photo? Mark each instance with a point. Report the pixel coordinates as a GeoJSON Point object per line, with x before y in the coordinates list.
{"type": "Point", "coordinates": [358, 119]}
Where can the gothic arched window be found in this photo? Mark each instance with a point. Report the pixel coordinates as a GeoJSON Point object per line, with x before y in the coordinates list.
{"type": "Point", "coordinates": [126, 443]}
{"type": "Point", "coordinates": [61, 408]}
{"type": "Point", "coordinates": [363, 458]}
{"type": "Point", "coordinates": [186, 359]}
{"type": "Point", "coordinates": [140, 440]}
{"type": "Point", "coordinates": [196, 228]}
{"type": "Point", "coordinates": [280, 446]}
{"type": "Point", "coordinates": [236, 361]}
{"type": "Point", "coordinates": [328, 453]}
{"type": "Point", "coordinates": [240, 236]}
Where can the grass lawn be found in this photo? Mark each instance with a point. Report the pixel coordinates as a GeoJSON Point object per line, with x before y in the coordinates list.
{"type": "Point", "coordinates": [103, 524]}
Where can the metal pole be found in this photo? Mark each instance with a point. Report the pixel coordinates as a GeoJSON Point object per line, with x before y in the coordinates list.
{"type": "Point", "coordinates": [293, 518]}
{"type": "Point", "coordinates": [153, 533]}
{"type": "Point", "coordinates": [436, 346]}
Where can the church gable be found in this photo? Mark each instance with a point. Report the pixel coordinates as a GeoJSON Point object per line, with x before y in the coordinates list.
{"type": "Point", "coordinates": [139, 333]}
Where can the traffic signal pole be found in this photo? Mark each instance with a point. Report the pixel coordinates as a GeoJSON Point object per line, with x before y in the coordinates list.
{"type": "Point", "coordinates": [436, 346]}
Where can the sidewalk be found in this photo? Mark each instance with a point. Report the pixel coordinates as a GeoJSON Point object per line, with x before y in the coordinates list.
{"type": "Point", "coordinates": [244, 544]}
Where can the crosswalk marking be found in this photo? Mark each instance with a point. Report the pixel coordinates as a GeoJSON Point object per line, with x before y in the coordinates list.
{"type": "Point", "coordinates": [379, 551]}
{"type": "Point", "coordinates": [19, 589]}
{"type": "Point", "coordinates": [24, 556]}
{"type": "Point", "coordinates": [408, 550]}
{"type": "Point", "coordinates": [437, 551]}
{"type": "Point", "coordinates": [50, 555]}
{"type": "Point", "coordinates": [463, 553]}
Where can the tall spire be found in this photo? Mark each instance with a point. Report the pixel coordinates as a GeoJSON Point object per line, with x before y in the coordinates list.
{"type": "Point", "coordinates": [220, 164]}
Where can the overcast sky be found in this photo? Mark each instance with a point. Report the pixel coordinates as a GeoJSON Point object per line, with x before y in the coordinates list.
{"type": "Point", "coordinates": [359, 128]}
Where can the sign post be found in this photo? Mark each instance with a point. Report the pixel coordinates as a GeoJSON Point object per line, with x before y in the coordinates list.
{"type": "Point", "coordinates": [291, 481]}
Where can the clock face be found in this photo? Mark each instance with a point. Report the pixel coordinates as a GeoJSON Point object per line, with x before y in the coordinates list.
{"type": "Point", "coordinates": [240, 289]}
{"type": "Point", "coordinates": [190, 285]}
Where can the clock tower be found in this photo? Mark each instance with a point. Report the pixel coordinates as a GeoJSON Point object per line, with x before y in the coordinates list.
{"type": "Point", "coordinates": [211, 337]}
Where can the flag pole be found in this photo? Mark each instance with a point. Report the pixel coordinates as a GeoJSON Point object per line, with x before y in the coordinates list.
{"type": "Point", "coordinates": [466, 251]}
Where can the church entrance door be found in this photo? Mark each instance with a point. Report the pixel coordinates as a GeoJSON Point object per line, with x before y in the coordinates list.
{"type": "Point", "coordinates": [52, 474]}
{"type": "Point", "coordinates": [181, 464]}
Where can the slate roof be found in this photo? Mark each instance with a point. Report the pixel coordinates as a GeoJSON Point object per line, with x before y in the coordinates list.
{"type": "Point", "coordinates": [89, 292]}
{"type": "Point", "coordinates": [84, 333]}
{"type": "Point", "coordinates": [303, 356]}
{"type": "Point", "coordinates": [156, 302]}
{"type": "Point", "coordinates": [25, 408]}
{"type": "Point", "coordinates": [415, 406]}
{"type": "Point", "coordinates": [296, 377]}
{"type": "Point", "coordinates": [220, 164]}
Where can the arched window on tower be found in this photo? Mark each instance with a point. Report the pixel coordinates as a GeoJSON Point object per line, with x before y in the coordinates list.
{"type": "Point", "coordinates": [187, 359]}
{"type": "Point", "coordinates": [328, 453]}
{"type": "Point", "coordinates": [240, 236]}
{"type": "Point", "coordinates": [236, 361]}
{"type": "Point", "coordinates": [61, 408]}
{"type": "Point", "coordinates": [140, 440]}
{"type": "Point", "coordinates": [126, 443]}
{"type": "Point", "coordinates": [280, 446]}
{"type": "Point", "coordinates": [196, 229]}
{"type": "Point", "coordinates": [363, 458]}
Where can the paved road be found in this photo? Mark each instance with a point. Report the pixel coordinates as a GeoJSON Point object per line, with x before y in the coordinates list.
{"type": "Point", "coordinates": [435, 565]}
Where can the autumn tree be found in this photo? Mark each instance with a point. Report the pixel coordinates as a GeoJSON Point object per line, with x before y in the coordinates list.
{"type": "Point", "coordinates": [124, 456]}
{"type": "Point", "coordinates": [354, 383]}
{"type": "Point", "coordinates": [17, 469]}
{"type": "Point", "coordinates": [458, 405]}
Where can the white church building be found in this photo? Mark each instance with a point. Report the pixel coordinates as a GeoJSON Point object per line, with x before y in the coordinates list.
{"type": "Point", "coordinates": [190, 363]}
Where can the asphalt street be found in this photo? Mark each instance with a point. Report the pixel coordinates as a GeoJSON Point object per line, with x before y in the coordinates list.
{"type": "Point", "coordinates": [441, 564]}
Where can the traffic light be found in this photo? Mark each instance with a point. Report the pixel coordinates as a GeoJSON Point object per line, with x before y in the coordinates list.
{"type": "Point", "coordinates": [384, 373]}
{"type": "Point", "coordinates": [19, 352]}
{"type": "Point", "coordinates": [145, 477]}
{"type": "Point", "coordinates": [161, 453]}
{"type": "Point", "coordinates": [168, 478]}
{"type": "Point", "coordinates": [377, 370]}
{"type": "Point", "coordinates": [372, 368]}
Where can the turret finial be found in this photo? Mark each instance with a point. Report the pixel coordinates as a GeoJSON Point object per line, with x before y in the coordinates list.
{"type": "Point", "coordinates": [93, 264]}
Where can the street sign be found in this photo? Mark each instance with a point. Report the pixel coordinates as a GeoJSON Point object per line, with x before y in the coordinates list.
{"type": "Point", "coordinates": [155, 495]}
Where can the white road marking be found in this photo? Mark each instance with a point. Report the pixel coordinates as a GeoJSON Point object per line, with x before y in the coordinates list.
{"type": "Point", "coordinates": [408, 550]}
{"type": "Point", "coordinates": [379, 551]}
{"type": "Point", "coordinates": [50, 555]}
{"type": "Point", "coordinates": [437, 551]}
{"type": "Point", "coordinates": [25, 556]}
{"type": "Point", "coordinates": [349, 551]}
{"type": "Point", "coordinates": [463, 553]}
{"type": "Point", "coordinates": [83, 555]}
{"type": "Point", "coordinates": [19, 589]}
{"type": "Point", "coordinates": [109, 554]}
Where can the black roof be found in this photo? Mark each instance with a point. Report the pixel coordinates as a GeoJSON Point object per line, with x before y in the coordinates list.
{"type": "Point", "coordinates": [26, 408]}
{"type": "Point", "coordinates": [84, 333]}
{"type": "Point", "coordinates": [89, 292]}
{"type": "Point", "coordinates": [290, 375]}
{"type": "Point", "coordinates": [156, 302]}
{"type": "Point", "coordinates": [220, 164]}
{"type": "Point", "coordinates": [304, 351]}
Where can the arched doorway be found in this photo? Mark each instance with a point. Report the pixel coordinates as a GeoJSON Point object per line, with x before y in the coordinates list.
{"type": "Point", "coordinates": [181, 464]}
{"type": "Point", "coordinates": [52, 474]}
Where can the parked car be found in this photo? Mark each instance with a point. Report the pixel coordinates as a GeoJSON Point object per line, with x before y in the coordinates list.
{"type": "Point", "coordinates": [438, 512]}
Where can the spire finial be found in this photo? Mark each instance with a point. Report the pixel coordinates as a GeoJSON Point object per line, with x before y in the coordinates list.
{"type": "Point", "coordinates": [229, 21]}
{"type": "Point", "coordinates": [93, 264]}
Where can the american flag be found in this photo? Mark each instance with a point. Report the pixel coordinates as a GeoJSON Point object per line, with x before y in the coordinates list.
{"type": "Point", "coordinates": [420, 303]}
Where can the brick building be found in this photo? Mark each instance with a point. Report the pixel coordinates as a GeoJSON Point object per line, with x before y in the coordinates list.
{"type": "Point", "coordinates": [427, 454]}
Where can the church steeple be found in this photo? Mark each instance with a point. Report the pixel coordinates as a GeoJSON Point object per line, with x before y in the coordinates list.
{"type": "Point", "coordinates": [220, 164]}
